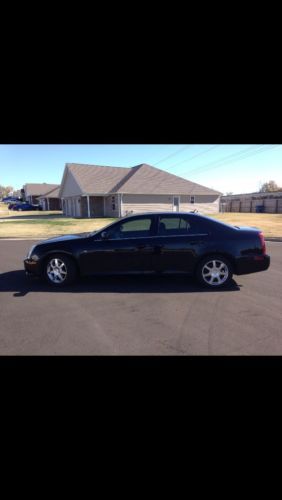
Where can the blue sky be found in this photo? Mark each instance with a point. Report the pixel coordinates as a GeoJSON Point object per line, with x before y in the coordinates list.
{"type": "Point", "coordinates": [235, 168]}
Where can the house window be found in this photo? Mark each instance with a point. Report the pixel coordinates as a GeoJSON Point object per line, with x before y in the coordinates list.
{"type": "Point", "coordinates": [192, 199]}
{"type": "Point", "coordinates": [113, 203]}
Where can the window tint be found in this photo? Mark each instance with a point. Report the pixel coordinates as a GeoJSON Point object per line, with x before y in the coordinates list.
{"type": "Point", "coordinates": [136, 228]}
{"type": "Point", "coordinates": [173, 226]}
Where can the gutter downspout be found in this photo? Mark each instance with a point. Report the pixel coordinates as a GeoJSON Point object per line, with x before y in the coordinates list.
{"type": "Point", "coordinates": [88, 206]}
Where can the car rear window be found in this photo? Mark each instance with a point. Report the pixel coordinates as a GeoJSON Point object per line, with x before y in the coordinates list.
{"type": "Point", "coordinates": [169, 226]}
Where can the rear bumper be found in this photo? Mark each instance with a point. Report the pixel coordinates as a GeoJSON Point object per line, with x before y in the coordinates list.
{"type": "Point", "coordinates": [32, 268]}
{"type": "Point", "coordinates": [252, 264]}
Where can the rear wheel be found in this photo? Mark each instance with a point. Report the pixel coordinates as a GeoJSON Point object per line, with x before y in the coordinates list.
{"type": "Point", "coordinates": [60, 270]}
{"type": "Point", "coordinates": [214, 272]}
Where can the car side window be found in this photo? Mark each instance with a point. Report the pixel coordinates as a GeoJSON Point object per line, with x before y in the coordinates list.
{"type": "Point", "coordinates": [137, 228]}
{"type": "Point", "coordinates": [173, 226]}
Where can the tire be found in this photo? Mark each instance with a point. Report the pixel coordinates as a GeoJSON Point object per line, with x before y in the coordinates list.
{"type": "Point", "coordinates": [214, 271]}
{"type": "Point", "coordinates": [60, 270]}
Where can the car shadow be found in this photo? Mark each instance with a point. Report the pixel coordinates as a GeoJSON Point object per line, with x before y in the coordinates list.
{"type": "Point", "coordinates": [21, 285]}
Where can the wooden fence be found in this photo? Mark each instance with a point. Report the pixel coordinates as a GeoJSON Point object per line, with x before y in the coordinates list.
{"type": "Point", "coordinates": [271, 205]}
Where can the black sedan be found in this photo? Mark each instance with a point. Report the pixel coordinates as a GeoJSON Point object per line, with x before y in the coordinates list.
{"type": "Point", "coordinates": [153, 243]}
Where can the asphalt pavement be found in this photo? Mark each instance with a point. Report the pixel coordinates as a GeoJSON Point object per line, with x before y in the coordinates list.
{"type": "Point", "coordinates": [140, 315]}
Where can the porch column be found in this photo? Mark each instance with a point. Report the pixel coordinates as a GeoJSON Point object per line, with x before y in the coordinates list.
{"type": "Point", "coordinates": [88, 206]}
{"type": "Point", "coordinates": [48, 204]}
{"type": "Point", "coordinates": [120, 205]}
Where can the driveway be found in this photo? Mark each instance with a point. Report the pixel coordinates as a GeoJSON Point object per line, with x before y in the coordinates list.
{"type": "Point", "coordinates": [138, 315]}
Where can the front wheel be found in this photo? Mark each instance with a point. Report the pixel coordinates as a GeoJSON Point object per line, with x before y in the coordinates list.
{"type": "Point", "coordinates": [214, 272]}
{"type": "Point", "coordinates": [60, 270]}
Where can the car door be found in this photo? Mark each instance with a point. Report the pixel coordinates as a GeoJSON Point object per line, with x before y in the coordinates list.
{"type": "Point", "coordinates": [126, 247]}
{"type": "Point", "coordinates": [178, 243]}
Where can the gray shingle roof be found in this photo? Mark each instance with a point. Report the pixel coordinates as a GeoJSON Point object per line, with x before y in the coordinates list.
{"type": "Point", "coordinates": [97, 179]}
{"type": "Point", "coordinates": [141, 179]}
{"type": "Point", "coordinates": [54, 193]}
{"type": "Point", "coordinates": [39, 189]}
{"type": "Point", "coordinates": [152, 180]}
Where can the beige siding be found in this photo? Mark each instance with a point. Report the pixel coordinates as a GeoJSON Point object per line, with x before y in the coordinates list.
{"type": "Point", "coordinates": [109, 211]}
{"type": "Point", "coordinates": [208, 204]}
{"type": "Point", "coordinates": [71, 188]}
{"type": "Point", "coordinates": [72, 206]}
{"type": "Point", "coordinates": [158, 203]}
{"type": "Point", "coordinates": [139, 203]}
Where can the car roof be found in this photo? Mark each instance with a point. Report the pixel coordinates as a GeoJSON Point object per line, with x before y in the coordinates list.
{"type": "Point", "coordinates": [161, 213]}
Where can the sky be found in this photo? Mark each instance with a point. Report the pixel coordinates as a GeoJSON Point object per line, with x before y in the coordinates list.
{"type": "Point", "coordinates": [225, 168]}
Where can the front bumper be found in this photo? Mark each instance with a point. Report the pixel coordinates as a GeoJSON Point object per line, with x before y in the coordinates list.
{"type": "Point", "coordinates": [252, 264]}
{"type": "Point", "coordinates": [32, 267]}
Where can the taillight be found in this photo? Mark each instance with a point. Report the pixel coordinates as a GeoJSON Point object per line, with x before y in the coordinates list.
{"type": "Point", "coordinates": [262, 240]}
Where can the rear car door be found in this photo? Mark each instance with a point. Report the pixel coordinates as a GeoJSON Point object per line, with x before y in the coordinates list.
{"type": "Point", "coordinates": [127, 248]}
{"type": "Point", "coordinates": [178, 243]}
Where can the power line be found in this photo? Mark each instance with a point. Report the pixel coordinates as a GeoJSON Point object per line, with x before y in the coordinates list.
{"type": "Point", "coordinates": [220, 160]}
{"type": "Point", "coordinates": [173, 154]}
{"type": "Point", "coordinates": [195, 156]}
{"type": "Point", "coordinates": [242, 157]}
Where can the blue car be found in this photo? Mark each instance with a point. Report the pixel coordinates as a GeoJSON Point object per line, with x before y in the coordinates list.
{"type": "Point", "coordinates": [9, 199]}
{"type": "Point", "coordinates": [26, 206]}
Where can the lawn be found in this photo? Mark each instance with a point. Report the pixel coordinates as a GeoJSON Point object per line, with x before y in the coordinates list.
{"type": "Point", "coordinates": [41, 225]}
{"type": "Point", "coordinates": [270, 224]}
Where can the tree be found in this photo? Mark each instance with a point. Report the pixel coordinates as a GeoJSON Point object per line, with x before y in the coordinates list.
{"type": "Point", "coordinates": [270, 187]}
{"type": "Point", "coordinates": [5, 190]}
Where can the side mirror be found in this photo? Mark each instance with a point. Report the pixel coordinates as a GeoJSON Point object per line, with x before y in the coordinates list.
{"type": "Point", "coordinates": [104, 235]}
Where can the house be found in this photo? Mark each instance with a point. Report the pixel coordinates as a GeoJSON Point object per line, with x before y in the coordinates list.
{"type": "Point", "coordinates": [100, 191]}
{"type": "Point", "coordinates": [251, 202]}
{"type": "Point", "coordinates": [33, 191]}
{"type": "Point", "coordinates": [51, 200]}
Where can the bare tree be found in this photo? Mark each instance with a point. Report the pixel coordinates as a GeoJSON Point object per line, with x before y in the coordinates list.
{"type": "Point", "coordinates": [5, 190]}
{"type": "Point", "coordinates": [270, 187]}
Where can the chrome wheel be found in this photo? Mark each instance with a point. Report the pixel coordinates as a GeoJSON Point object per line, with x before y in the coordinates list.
{"type": "Point", "coordinates": [56, 270]}
{"type": "Point", "coordinates": [215, 272]}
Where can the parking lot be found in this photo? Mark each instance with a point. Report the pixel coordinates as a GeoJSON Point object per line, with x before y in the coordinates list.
{"type": "Point", "coordinates": [168, 315]}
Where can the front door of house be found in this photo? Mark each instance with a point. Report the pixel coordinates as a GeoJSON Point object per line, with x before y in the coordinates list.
{"type": "Point", "coordinates": [176, 203]}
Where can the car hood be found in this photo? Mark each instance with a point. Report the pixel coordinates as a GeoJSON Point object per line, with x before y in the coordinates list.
{"type": "Point", "coordinates": [67, 237]}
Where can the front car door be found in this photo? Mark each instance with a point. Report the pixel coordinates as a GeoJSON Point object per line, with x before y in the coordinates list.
{"type": "Point", "coordinates": [127, 247]}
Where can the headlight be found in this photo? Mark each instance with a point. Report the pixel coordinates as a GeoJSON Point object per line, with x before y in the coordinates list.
{"type": "Point", "coordinates": [30, 251]}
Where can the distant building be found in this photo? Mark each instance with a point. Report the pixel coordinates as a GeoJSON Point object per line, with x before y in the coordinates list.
{"type": "Point", "coordinates": [33, 191]}
{"type": "Point", "coordinates": [51, 200]}
{"type": "Point", "coordinates": [252, 202]}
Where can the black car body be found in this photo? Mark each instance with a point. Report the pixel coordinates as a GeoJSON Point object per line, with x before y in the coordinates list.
{"type": "Point", "coordinates": [153, 243]}
{"type": "Point", "coordinates": [25, 207]}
